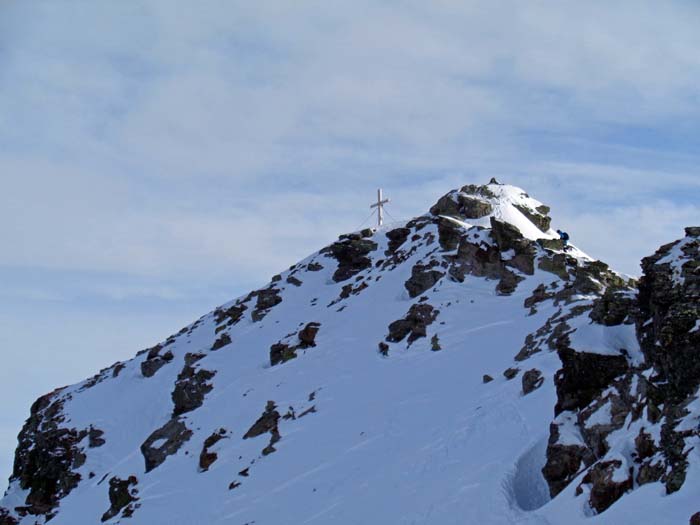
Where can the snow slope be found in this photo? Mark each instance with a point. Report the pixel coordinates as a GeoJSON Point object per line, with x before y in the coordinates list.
{"type": "Point", "coordinates": [393, 434]}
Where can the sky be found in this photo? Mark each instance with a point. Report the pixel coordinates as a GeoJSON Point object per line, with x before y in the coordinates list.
{"type": "Point", "coordinates": [160, 157]}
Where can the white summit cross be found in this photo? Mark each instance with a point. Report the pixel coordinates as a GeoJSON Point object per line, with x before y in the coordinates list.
{"type": "Point", "coordinates": [380, 207]}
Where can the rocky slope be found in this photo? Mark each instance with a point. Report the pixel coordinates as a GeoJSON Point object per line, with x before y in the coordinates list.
{"type": "Point", "coordinates": [459, 368]}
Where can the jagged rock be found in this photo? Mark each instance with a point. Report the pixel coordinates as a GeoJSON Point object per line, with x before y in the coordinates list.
{"type": "Point", "coordinates": [563, 461]}
{"type": "Point", "coordinates": [480, 260]}
{"type": "Point", "coordinates": [191, 387]}
{"type": "Point", "coordinates": [482, 191]}
{"type": "Point", "coordinates": [446, 205]}
{"type": "Point", "coordinates": [294, 281]}
{"type": "Point", "coordinates": [435, 343]}
{"type": "Point", "coordinates": [506, 235]}
{"type": "Point", "coordinates": [583, 376]}
{"type": "Point", "coordinates": [396, 238]}
{"type": "Point", "coordinates": [267, 299]}
{"type": "Point", "coordinates": [604, 490]}
{"type": "Point", "coordinates": [314, 267]}
{"type": "Point", "coordinates": [423, 278]}
{"type": "Point", "coordinates": [6, 518]}
{"type": "Point", "coordinates": [614, 308]}
{"type": "Point", "coordinates": [449, 234]}
{"type": "Point", "coordinates": [47, 456]}
{"type": "Point", "coordinates": [95, 437]}
{"type": "Point", "coordinates": [532, 380]}
{"type": "Point", "coordinates": [551, 244]}
{"type": "Point", "coordinates": [695, 518]}
{"type": "Point", "coordinates": [121, 495]}
{"type": "Point", "coordinates": [556, 264]}
{"type": "Point", "coordinates": [486, 378]}
{"type": "Point", "coordinates": [508, 283]}
{"type": "Point", "coordinates": [510, 373]}
{"type": "Point", "coordinates": [223, 340]}
{"type": "Point", "coordinates": [268, 422]}
{"type": "Point", "coordinates": [383, 348]}
{"type": "Point", "coordinates": [207, 458]}
{"type": "Point", "coordinates": [351, 254]}
{"type": "Point", "coordinates": [473, 208]}
{"type": "Point", "coordinates": [539, 294]}
{"type": "Point", "coordinates": [307, 336]}
{"type": "Point", "coordinates": [172, 435]}
{"type": "Point", "coordinates": [536, 217]}
{"type": "Point", "coordinates": [414, 325]}
{"type": "Point", "coordinates": [231, 315]}
{"type": "Point", "coordinates": [281, 353]}
{"type": "Point", "coordinates": [155, 362]}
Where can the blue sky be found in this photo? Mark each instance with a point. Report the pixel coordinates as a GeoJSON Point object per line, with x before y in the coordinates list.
{"type": "Point", "coordinates": [158, 158]}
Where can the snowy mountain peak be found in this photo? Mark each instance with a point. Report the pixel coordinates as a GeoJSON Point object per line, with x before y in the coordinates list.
{"type": "Point", "coordinates": [476, 205]}
{"type": "Point", "coordinates": [459, 368]}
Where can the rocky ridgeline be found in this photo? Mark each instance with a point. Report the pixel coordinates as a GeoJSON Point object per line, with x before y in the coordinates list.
{"type": "Point", "coordinates": [640, 406]}
{"type": "Point", "coordinates": [634, 395]}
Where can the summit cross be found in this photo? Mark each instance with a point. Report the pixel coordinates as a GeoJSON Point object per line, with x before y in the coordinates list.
{"type": "Point", "coordinates": [380, 207]}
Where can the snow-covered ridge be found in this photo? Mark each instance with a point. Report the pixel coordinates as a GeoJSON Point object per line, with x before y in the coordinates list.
{"type": "Point", "coordinates": [403, 375]}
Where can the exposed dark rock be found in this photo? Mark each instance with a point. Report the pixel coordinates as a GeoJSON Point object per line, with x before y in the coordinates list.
{"type": "Point", "coordinates": [267, 299]}
{"type": "Point", "coordinates": [482, 191]}
{"type": "Point", "coordinates": [539, 294]}
{"type": "Point", "coordinates": [6, 518]}
{"type": "Point", "coordinates": [583, 376]}
{"type": "Point", "coordinates": [435, 343]}
{"type": "Point", "coordinates": [121, 496]}
{"type": "Point", "coordinates": [414, 325]}
{"type": "Point", "coordinates": [47, 456]}
{"type": "Point", "coordinates": [191, 387]}
{"type": "Point", "coordinates": [536, 217]}
{"type": "Point", "coordinates": [563, 461]}
{"type": "Point", "coordinates": [486, 378]}
{"type": "Point", "coordinates": [510, 373]}
{"type": "Point", "coordinates": [604, 490]}
{"type": "Point", "coordinates": [551, 244]}
{"type": "Point", "coordinates": [294, 281]}
{"type": "Point", "coordinates": [314, 267]}
{"type": "Point", "coordinates": [352, 256]}
{"type": "Point", "coordinates": [172, 435]}
{"type": "Point", "coordinates": [281, 353]}
{"type": "Point", "coordinates": [383, 348]}
{"type": "Point", "coordinates": [695, 518]}
{"type": "Point", "coordinates": [532, 380]}
{"type": "Point", "coordinates": [423, 277]}
{"type": "Point", "coordinates": [154, 361]}
{"type": "Point", "coordinates": [206, 457]}
{"type": "Point", "coordinates": [230, 315]}
{"type": "Point", "coordinates": [614, 308]}
{"type": "Point", "coordinates": [446, 205]}
{"type": "Point", "coordinates": [473, 208]}
{"type": "Point", "coordinates": [95, 437]}
{"type": "Point", "coordinates": [223, 340]}
{"type": "Point", "coordinates": [508, 283]}
{"type": "Point", "coordinates": [556, 264]}
{"type": "Point", "coordinates": [396, 238]}
{"type": "Point", "coordinates": [449, 233]}
{"type": "Point", "coordinates": [266, 423]}
{"type": "Point", "coordinates": [307, 336]}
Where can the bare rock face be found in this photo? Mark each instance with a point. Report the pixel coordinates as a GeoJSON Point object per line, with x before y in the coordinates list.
{"type": "Point", "coordinates": [307, 336]}
{"type": "Point", "coordinates": [459, 204]}
{"type": "Point", "coordinates": [221, 341]}
{"type": "Point", "coordinates": [397, 237]}
{"type": "Point", "coordinates": [121, 496]}
{"type": "Point", "coordinates": [266, 423]}
{"type": "Point", "coordinates": [155, 361]}
{"type": "Point", "coordinates": [414, 325]}
{"type": "Point", "coordinates": [191, 386]}
{"type": "Point", "coordinates": [169, 438]}
{"type": "Point", "coordinates": [229, 316]}
{"type": "Point", "coordinates": [207, 457]}
{"type": "Point", "coordinates": [583, 376]}
{"type": "Point", "coordinates": [423, 277]}
{"type": "Point", "coordinates": [6, 518]}
{"type": "Point", "coordinates": [532, 380]}
{"type": "Point", "coordinates": [351, 254]}
{"type": "Point", "coordinates": [282, 352]}
{"type": "Point", "coordinates": [47, 456]}
{"type": "Point", "coordinates": [538, 216]}
{"type": "Point", "coordinates": [604, 490]}
{"type": "Point", "coordinates": [266, 300]}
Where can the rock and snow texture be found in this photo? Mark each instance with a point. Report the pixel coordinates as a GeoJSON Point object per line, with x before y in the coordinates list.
{"type": "Point", "coordinates": [461, 368]}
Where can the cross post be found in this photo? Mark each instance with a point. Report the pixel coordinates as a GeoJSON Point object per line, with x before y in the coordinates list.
{"type": "Point", "coordinates": [380, 207]}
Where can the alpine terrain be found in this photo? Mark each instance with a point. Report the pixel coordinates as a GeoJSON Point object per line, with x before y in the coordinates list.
{"type": "Point", "coordinates": [461, 368]}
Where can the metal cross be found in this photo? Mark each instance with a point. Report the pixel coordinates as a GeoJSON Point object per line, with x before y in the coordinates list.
{"type": "Point", "coordinates": [380, 207]}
